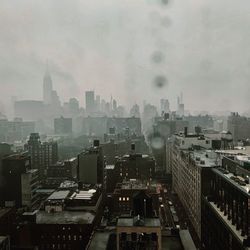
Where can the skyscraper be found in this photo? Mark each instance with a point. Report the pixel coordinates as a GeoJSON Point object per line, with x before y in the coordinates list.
{"type": "Point", "coordinates": [164, 106]}
{"type": "Point", "coordinates": [98, 103]}
{"type": "Point", "coordinates": [90, 102]}
{"type": "Point", "coordinates": [47, 87]}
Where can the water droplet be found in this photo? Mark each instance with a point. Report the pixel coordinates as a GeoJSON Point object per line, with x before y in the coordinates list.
{"type": "Point", "coordinates": [157, 57]}
{"type": "Point", "coordinates": [157, 142]}
{"type": "Point", "coordinates": [165, 2]}
{"type": "Point", "coordinates": [160, 81]}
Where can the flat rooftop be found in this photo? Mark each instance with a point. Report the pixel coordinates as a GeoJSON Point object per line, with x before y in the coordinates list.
{"type": "Point", "coordinates": [4, 211]}
{"type": "Point", "coordinates": [236, 151]}
{"type": "Point", "coordinates": [129, 222]}
{"type": "Point", "coordinates": [59, 195]}
{"type": "Point", "coordinates": [99, 241]}
{"type": "Point", "coordinates": [110, 166]}
{"type": "Point", "coordinates": [187, 240]}
{"type": "Point", "coordinates": [84, 194]}
{"type": "Point", "coordinates": [204, 158]}
{"type": "Point", "coordinates": [171, 243]}
{"type": "Point", "coordinates": [133, 185]}
{"type": "Point", "coordinates": [32, 171]}
{"type": "Point", "coordinates": [65, 217]}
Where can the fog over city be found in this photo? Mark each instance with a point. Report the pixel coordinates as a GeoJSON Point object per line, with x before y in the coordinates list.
{"type": "Point", "coordinates": [124, 125]}
{"type": "Point", "coordinates": [134, 50]}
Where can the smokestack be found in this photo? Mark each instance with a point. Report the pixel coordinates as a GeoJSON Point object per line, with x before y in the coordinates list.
{"type": "Point", "coordinates": [185, 131]}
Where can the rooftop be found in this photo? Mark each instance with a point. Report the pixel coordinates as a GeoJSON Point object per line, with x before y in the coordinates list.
{"type": "Point", "coordinates": [171, 243]}
{"type": "Point", "coordinates": [110, 166]}
{"type": "Point", "coordinates": [187, 240]}
{"type": "Point", "coordinates": [204, 158]}
{"type": "Point", "coordinates": [72, 159]}
{"type": "Point", "coordinates": [21, 156]}
{"type": "Point", "coordinates": [134, 185]}
{"type": "Point", "coordinates": [236, 151]}
{"type": "Point", "coordinates": [68, 184]}
{"type": "Point", "coordinates": [99, 241]}
{"type": "Point", "coordinates": [65, 217]}
{"type": "Point", "coordinates": [129, 222]}
{"type": "Point", "coordinates": [4, 211]}
{"type": "Point", "coordinates": [59, 195]}
{"type": "Point", "coordinates": [31, 171]}
{"type": "Point", "coordinates": [237, 181]}
{"type": "Point", "coordinates": [83, 194]}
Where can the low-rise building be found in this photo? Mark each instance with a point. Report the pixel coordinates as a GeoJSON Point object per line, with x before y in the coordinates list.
{"type": "Point", "coordinates": [125, 194]}
{"type": "Point", "coordinates": [133, 232]}
{"type": "Point", "coordinates": [68, 218]}
{"type": "Point", "coordinates": [60, 172]}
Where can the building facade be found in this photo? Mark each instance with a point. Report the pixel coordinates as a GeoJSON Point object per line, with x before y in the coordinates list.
{"type": "Point", "coordinates": [43, 154]}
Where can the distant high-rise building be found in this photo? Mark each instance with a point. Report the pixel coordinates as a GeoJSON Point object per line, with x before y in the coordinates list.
{"type": "Point", "coordinates": [42, 154]}
{"type": "Point", "coordinates": [135, 111]}
{"type": "Point", "coordinates": [47, 88]}
{"type": "Point", "coordinates": [164, 106]}
{"type": "Point", "coordinates": [55, 101]}
{"type": "Point", "coordinates": [90, 102]}
{"type": "Point", "coordinates": [239, 126]}
{"type": "Point", "coordinates": [180, 105]}
{"type": "Point", "coordinates": [114, 105]}
{"type": "Point", "coordinates": [98, 103]}
{"type": "Point", "coordinates": [73, 105]}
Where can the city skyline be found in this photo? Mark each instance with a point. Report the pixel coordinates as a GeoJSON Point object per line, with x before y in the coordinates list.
{"type": "Point", "coordinates": [186, 43]}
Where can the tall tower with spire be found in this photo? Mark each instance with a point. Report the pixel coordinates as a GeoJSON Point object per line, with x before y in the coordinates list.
{"type": "Point", "coordinates": [47, 87]}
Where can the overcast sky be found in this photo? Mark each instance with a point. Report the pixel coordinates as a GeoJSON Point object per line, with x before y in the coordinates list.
{"type": "Point", "coordinates": [121, 48]}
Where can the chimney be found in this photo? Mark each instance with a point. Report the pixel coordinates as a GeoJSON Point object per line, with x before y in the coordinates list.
{"type": "Point", "coordinates": [185, 131]}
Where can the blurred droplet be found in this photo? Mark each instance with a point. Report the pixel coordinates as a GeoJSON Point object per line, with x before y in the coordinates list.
{"type": "Point", "coordinates": [157, 57]}
{"type": "Point", "coordinates": [157, 142]}
{"type": "Point", "coordinates": [160, 81]}
{"type": "Point", "coordinates": [165, 2]}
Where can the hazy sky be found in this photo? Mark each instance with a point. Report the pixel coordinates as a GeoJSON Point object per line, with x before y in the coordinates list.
{"type": "Point", "coordinates": [119, 47]}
